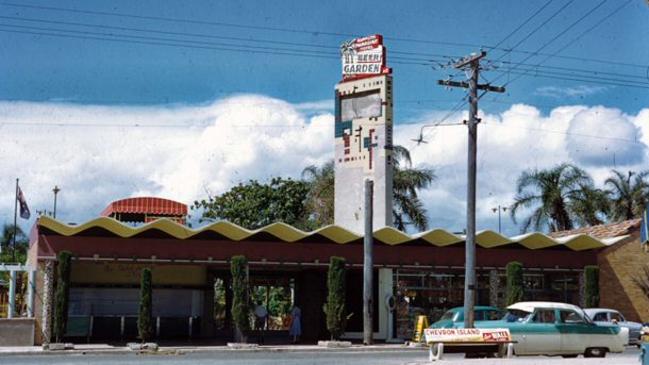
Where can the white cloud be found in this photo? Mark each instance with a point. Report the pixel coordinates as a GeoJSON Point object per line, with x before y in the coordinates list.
{"type": "Point", "coordinates": [96, 155]}
{"type": "Point", "coordinates": [573, 91]}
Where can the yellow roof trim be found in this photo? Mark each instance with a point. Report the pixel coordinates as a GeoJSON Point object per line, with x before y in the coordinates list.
{"type": "Point", "coordinates": [287, 233]}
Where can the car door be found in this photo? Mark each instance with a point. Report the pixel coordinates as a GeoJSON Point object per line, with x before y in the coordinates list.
{"type": "Point", "coordinates": [573, 330]}
{"type": "Point", "coordinates": [540, 334]}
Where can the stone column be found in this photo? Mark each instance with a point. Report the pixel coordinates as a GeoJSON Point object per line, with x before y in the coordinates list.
{"type": "Point", "coordinates": [48, 294]}
{"type": "Point", "coordinates": [11, 306]}
{"type": "Point", "coordinates": [31, 287]}
{"type": "Point", "coordinates": [494, 288]}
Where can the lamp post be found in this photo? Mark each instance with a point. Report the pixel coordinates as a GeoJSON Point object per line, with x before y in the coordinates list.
{"type": "Point", "coordinates": [56, 191]}
{"type": "Point", "coordinates": [499, 209]}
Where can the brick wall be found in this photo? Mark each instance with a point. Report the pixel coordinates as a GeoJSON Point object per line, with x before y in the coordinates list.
{"type": "Point", "coordinates": [619, 264]}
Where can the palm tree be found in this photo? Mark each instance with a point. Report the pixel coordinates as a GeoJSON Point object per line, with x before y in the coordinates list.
{"type": "Point", "coordinates": [589, 205]}
{"type": "Point", "coordinates": [555, 195]}
{"type": "Point", "coordinates": [320, 199]}
{"type": "Point", "coordinates": [408, 208]}
{"type": "Point", "coordinates": [628, 196]}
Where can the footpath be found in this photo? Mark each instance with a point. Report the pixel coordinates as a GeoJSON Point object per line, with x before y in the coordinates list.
{"type": "Point", "coordinates": [97, 349]}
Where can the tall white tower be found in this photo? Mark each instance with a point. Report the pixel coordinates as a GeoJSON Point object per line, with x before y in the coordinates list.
{"type": "Point", "coordinates": [363, 134]}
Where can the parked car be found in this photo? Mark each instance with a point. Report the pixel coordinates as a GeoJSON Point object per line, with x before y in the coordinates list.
{"type": "Point", "coordinates": [454, 317]}
{"type": "Point", "coordinates": [548, 328]}
{"type": "Point", "coordinates": [605, 315]}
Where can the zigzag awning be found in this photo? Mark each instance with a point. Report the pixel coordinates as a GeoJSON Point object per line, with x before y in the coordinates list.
{"type": "Point", "coordinates": [284, 232]}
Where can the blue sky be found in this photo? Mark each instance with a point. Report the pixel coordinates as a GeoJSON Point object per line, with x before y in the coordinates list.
{"type": "Point", "coordinates": [92, 71]}
{"type": "Point", "coordinates": [91, 93]}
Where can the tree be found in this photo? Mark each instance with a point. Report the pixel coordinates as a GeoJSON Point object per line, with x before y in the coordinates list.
{"type": "Point", "coordinates": [22, 245]}
{"type": "Point", "coordinates": [254, 204]}
{"type": "Point", "coordinates": [589, 205]}
{"type": "Point", "coordinates": [334, 308]}
{"type": "Point", "coordinates": [320, 199]}
{"type": "Point", "coordinates": [514, 289]}
{"type": "Point", "coordinates": [554, 196]}
{"type": "Point", "coordinates": [240, 300]}
{"type": "Point", "coordinates": [145, 314]}
{"type": "Point", "coordinates": [591, 286]}
{"type": "Point", "coordinates": [407, 207]}
{"type": "Point", "coordinates": [6, 244]}
{"type": "Point", "coordinates": [62, 296]}
{"type": "Point", "coordinates": [628, 194]}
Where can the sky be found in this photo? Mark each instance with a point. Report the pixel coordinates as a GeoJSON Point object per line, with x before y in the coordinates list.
{"type": "Point", "coordinates": [183, 99]}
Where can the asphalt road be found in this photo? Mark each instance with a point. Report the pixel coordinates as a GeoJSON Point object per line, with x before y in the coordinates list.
{"type": "Point", "coordinates": [629, 357]}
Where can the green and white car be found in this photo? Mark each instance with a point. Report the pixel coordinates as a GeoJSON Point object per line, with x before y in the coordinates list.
{"type": "Point", "coordinates": [548, 328]}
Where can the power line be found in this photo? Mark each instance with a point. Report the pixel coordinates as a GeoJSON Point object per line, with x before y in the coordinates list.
{"type": "Point", "coordinates": [176, 43]}
{"type": "Point", "coordinates": [181, 42]}
{"type": "Point", "coordinates": [549, 75]}
{"type": "Point", "coordinates": [264, 41]}
{"type": "Point", "coordinates": [546, 21]}
{"type": "Point", "coordinates": [558, 35]}
{"type": "Point", "coordinates": [304, 31]}
{"type": "Point", "coordinates": [587, 31]}
{"type": "Point", "coordinates": [206, 35]}
{"type": "Point", "coordinates": [566, 133]}
{"type": "Point", "coordinates": [522, 24]}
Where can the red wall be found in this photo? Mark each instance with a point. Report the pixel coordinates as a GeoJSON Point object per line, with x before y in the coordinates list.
{"type": "Point", "coordinates": [305, 252]}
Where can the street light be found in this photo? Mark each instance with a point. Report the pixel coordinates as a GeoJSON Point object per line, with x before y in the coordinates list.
{"type": "Point", "coordinates": [499, 209]}
{"type": "Point", "coordinates": [56, 191]}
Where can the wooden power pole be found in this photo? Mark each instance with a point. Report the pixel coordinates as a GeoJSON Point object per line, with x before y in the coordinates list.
{"type": "Point", "coordinates": [471, 63]}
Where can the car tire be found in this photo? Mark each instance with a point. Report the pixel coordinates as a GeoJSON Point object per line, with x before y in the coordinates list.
{"type": "Point", "coordinates": [571, 356]}
{"type": "Point", "coordinates": [595, 352]}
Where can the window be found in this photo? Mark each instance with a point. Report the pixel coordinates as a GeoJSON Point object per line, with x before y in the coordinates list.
{"type": "Point", "coordinates": [488, 315]}
{"type": "Point", "coordinates": [447, 316]}
{"type": "Point", "coordinates": [544, 316]}
{"type": "Point", "coordinates": [600, 317]}
{"type": "Point", "coordinates": [616, 317]}
{"type": "Point", "coordinates": [362, 105]}
{"type": "Point", "coordinates": [568, 316]}
{"type": "Point", "coordinates": [515, 315]}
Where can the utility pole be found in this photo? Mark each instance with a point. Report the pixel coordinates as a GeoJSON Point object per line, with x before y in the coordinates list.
{"type": "Point", "coordinates": [471, 63]}
{"type": "Point", "coordinates": [56, 191]}
{"type": "Point", "coordinates": [368, 263]}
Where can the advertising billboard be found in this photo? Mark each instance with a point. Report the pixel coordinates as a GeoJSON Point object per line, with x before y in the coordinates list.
{"type": "Point", "coordinates": [363, 57]}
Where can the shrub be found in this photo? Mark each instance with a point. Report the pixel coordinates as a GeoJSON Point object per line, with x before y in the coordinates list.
{"type": "Point", "coordinates": [62, 295]}
{"type": "Point", "coordinates": [145, 315]}
{"type": "Point", "coordinates": [591, 286]}
{"type": "Point", "coordinates": [514, 290]}
{"type": "Point", "coordinates": [334, 308]}
{"type": "Point", "coordinates": [240, 301]}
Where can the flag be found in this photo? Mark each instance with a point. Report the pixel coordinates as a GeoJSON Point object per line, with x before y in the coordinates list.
{"type": "Point", "coordinates": [644, 228]}
{"type": "Point", "coordinates": [24, 209]}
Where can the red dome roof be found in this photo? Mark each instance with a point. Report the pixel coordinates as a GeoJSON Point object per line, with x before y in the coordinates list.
{"type": "Point", "coordinates": [146, 205]}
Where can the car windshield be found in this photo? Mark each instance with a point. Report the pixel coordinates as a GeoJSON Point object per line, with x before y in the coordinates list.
{"type": "Point", "coordinates": [516, 315]}
{"type": "Point", "coordinates": [447, 316]}
{"type": "Point", "coordinates": [488, 315]}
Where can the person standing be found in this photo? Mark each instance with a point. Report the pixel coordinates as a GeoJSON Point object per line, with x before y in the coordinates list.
{"type": "Point", "coordinates": [261, 316]}
{"type": "Point", "coordinates": [296, 326]}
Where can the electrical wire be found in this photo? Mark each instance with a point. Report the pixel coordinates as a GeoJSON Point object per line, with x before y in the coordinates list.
{"type": "Point", "coordinates": [522, 24]}
{"type": "Point", "coordinates": [302, 31]}
{"type": "Point", "coordinates": [546, 21]}
{"type": "Point", "coordinates": [560, 34]}
{"type": "Point", "coordinates": [587, 31]}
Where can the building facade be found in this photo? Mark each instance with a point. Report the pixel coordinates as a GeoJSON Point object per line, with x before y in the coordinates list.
{"type": "Point", "coordinates": [191, 275]}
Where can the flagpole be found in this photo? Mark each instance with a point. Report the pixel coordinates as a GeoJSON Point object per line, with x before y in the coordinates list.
{"type": "Point", "coordinates": [13, 246]}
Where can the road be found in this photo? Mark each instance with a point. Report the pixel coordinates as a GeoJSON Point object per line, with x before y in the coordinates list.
{"type": "Point", "coordinates": [234, 357]}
